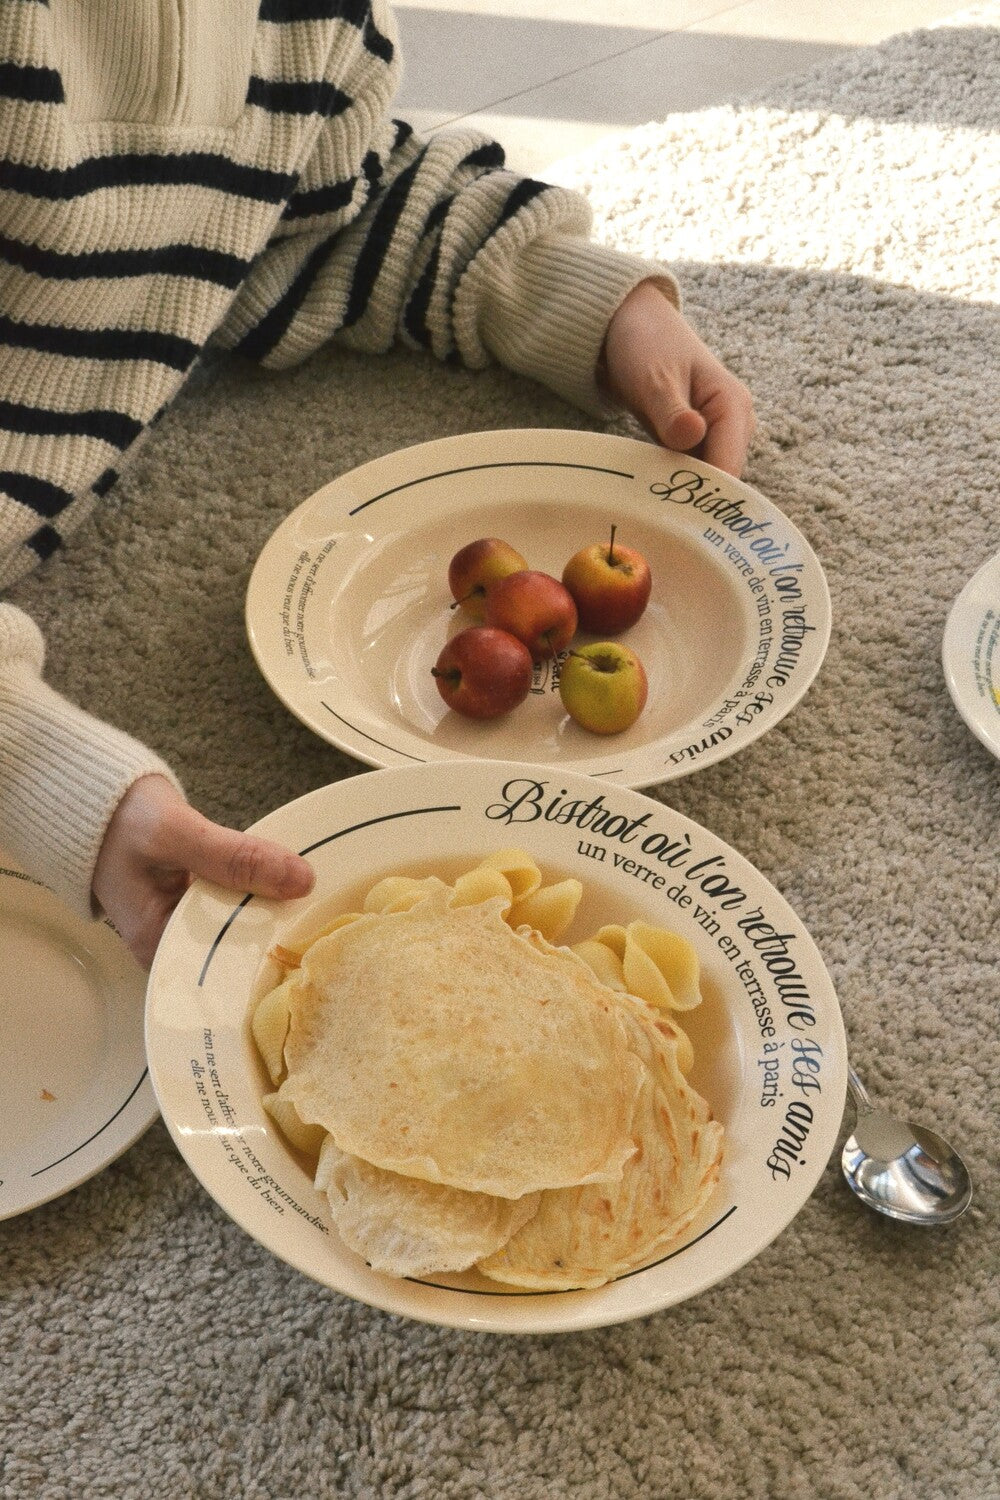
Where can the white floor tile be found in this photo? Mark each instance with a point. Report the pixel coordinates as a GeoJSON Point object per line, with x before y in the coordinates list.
{"type": "Point", "coordinates": [457, 62]}
{"type": "Point", "coordinates": [818, 21]}
{"type": "Point", "coordinates": [656, 16]}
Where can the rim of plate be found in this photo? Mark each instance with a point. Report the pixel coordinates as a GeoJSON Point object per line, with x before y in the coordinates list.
{"type": "Point", "coordinates": [108, 1105]}
{"type": "Point", "coordinates": [206, 1077]}
{"type": "Point", "coordinates": [973, 626]}
{"type": "Point", "coordinates": [290, 595]}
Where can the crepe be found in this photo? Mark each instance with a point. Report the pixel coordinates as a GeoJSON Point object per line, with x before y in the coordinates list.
{"type": "Point", "coordinates": [437, 1043]}
{"type": "Point", "coordinates": [407, 1227]}
{"type": "Point", "coordinates": [585, 1236]}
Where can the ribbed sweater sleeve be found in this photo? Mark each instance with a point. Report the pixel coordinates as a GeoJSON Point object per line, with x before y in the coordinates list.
{"type": "Point", "coordinates": [62, 772]}
{"type": "Point", "coordinates": [454, 254]}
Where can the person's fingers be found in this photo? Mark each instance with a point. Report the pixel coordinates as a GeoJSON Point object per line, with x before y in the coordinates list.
{"type": "Point", "coordinates": [677, 425]}
{"type": "Point", "coordinates": [726, 445]}
{"type": "Point", "coordinates": [730, 426]}
{"type": "Point", "coordinates": [657, 367]}
{"type": "Point", "coordinates": [238, 861]}
{"type": "Point", "coordinates": [156, 842]}
{"type": "Point", "coordinates": [144, 934]}
{"type": "Point", "coordinates": [654, 394]}
{"type": "Point", "coordinates": [140, 915]}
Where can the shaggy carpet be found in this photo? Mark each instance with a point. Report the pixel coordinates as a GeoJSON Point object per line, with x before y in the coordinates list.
{"type": "Point", "coordinates": [837, 241]}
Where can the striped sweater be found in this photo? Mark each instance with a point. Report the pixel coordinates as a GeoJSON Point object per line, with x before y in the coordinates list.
{"type": "Point", "coordinates": [180, 174]}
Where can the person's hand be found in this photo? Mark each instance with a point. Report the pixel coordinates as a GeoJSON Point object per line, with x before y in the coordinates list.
{"type": "Point", "coordinates": [154, 846]}
{"type": "Point", "coordinates": [657, 367]}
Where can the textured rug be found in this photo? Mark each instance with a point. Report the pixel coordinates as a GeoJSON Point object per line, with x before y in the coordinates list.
{"type": "Point", "coordinates": [837, 240]}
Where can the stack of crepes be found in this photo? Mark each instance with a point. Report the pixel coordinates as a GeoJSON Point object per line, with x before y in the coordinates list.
{"type": "Point", "coordinates": [476, 1095]}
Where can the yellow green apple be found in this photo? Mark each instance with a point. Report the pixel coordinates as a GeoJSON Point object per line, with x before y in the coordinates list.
{"type": "Point", "coordinates": [603, 687]}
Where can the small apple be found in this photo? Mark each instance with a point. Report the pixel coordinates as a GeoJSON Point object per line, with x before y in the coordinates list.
{"type": "Point", "coordinates": [536, 608]}
{"type": "Point", "coordinates": [478, 565]}
{"type": "Point", "coordinates": [610, 586]}
{"type": "Point", "coordinates": [603, 687]}
{"type": "Point", "coordinates": [482, 672]}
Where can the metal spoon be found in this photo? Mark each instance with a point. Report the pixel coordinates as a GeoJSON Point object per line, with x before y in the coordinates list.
{"type": "Point", "coordinates": [900, 1169]}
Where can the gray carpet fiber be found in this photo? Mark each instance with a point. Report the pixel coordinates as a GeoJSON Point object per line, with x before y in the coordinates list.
{"type": "Point", "coordinates": [837, 240]}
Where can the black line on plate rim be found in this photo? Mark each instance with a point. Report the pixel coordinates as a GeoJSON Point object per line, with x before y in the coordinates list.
{"type": "Point", "coordinates": [421, 762]}
{"type": "Point", "coordinates": [522, 463]}
{"type": "Point", "coordinates": [221, 934]}
{"type": "Point", "coordinates": [118, 1111]}
{"type": "Point", "coordinates": [408, 812]}
{"type": "Point", "coordinates": [565, 1291]}
{"type": "Point", "coordinates": [371, 737]}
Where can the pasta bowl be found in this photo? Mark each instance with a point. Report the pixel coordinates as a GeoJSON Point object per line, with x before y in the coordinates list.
{"type": "Point", "coordinates": [767, 1039]}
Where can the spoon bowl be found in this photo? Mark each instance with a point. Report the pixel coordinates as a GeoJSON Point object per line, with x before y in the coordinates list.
{"type": "Point", "coordinates": [902, 1170]}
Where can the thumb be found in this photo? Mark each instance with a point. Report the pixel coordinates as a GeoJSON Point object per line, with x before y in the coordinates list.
{"type": "Point", "coordinates": [678, 426]}
{"type": "Point", "coordinates": [239, 861]}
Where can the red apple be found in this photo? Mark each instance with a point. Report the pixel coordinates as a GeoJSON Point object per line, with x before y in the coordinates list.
{"type": "Point", "coordinates": [536, 608]}
{"type": "Point", "coordinates": [478, 565]}
{"type": "Point", "coordinates": [610, 585]}
{"type": "Point", "coordinates": [482, 672]}
{"type": "Point", "coordinates": [603, 687]}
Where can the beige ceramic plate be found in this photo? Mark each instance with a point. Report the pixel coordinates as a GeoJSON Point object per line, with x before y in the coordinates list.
{"type": "Point", "coordinates": [347, 607]}
{"type": "Point", "coordinates": [768, 1038]}
{"type": "Point", "coordinates": [970, 654]}
{"type": "Point", "coordinates": [74, 1087]}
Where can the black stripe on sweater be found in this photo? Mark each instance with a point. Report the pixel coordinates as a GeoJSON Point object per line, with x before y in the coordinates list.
{"type": "Point", "coordinates": [312, 96]}
{"type": "Point", "coordinates": [165, 260]}
{"type": "Point", "coordinates": [325, 200]}
{"type": "Point", "coordinates": [271, 329]}
{"type": "Point", "coordinates": [104, 482]}
{"type": "Point", "coordinates": [376, 43]}
{"type": "Point", "coordinates": [437, 215]}
{"type": "Point", "coordinates": [99, 343]}
{"type": "Point", "coordinates": [186, 169]}
{"type": "Point", "coordinates": [374, 170]}
{"type": "Point", "coordinates": [490, 156]}
{"type": "Point", "coordinates": [415, 314]}
{"type": "Point", "coordinates": [34, 84]}
{"type": "Point", "coordinates": [376, 246]}
{"type": "Point", "coordinates": [46, 539]}
{"type": "Point", "coordinates": [48, 500]}
{"type": "Point", "coordinates": [337, 195]}
{"type": "Point", "coordinates": [282, 11]}
{"type": "Point", "coordinates": [523, 193]}
{"type": "Point", "coordinates": [39, 495]}
{"type": "Point", "coordinates": [113, 427]}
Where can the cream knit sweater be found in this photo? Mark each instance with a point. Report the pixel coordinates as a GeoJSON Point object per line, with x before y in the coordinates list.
{"type": "Point", "coordinates": [175, 173]}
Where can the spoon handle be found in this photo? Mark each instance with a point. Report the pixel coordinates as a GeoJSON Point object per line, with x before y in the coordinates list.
{"type": "Point", "coordinates": [858, 1092]}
